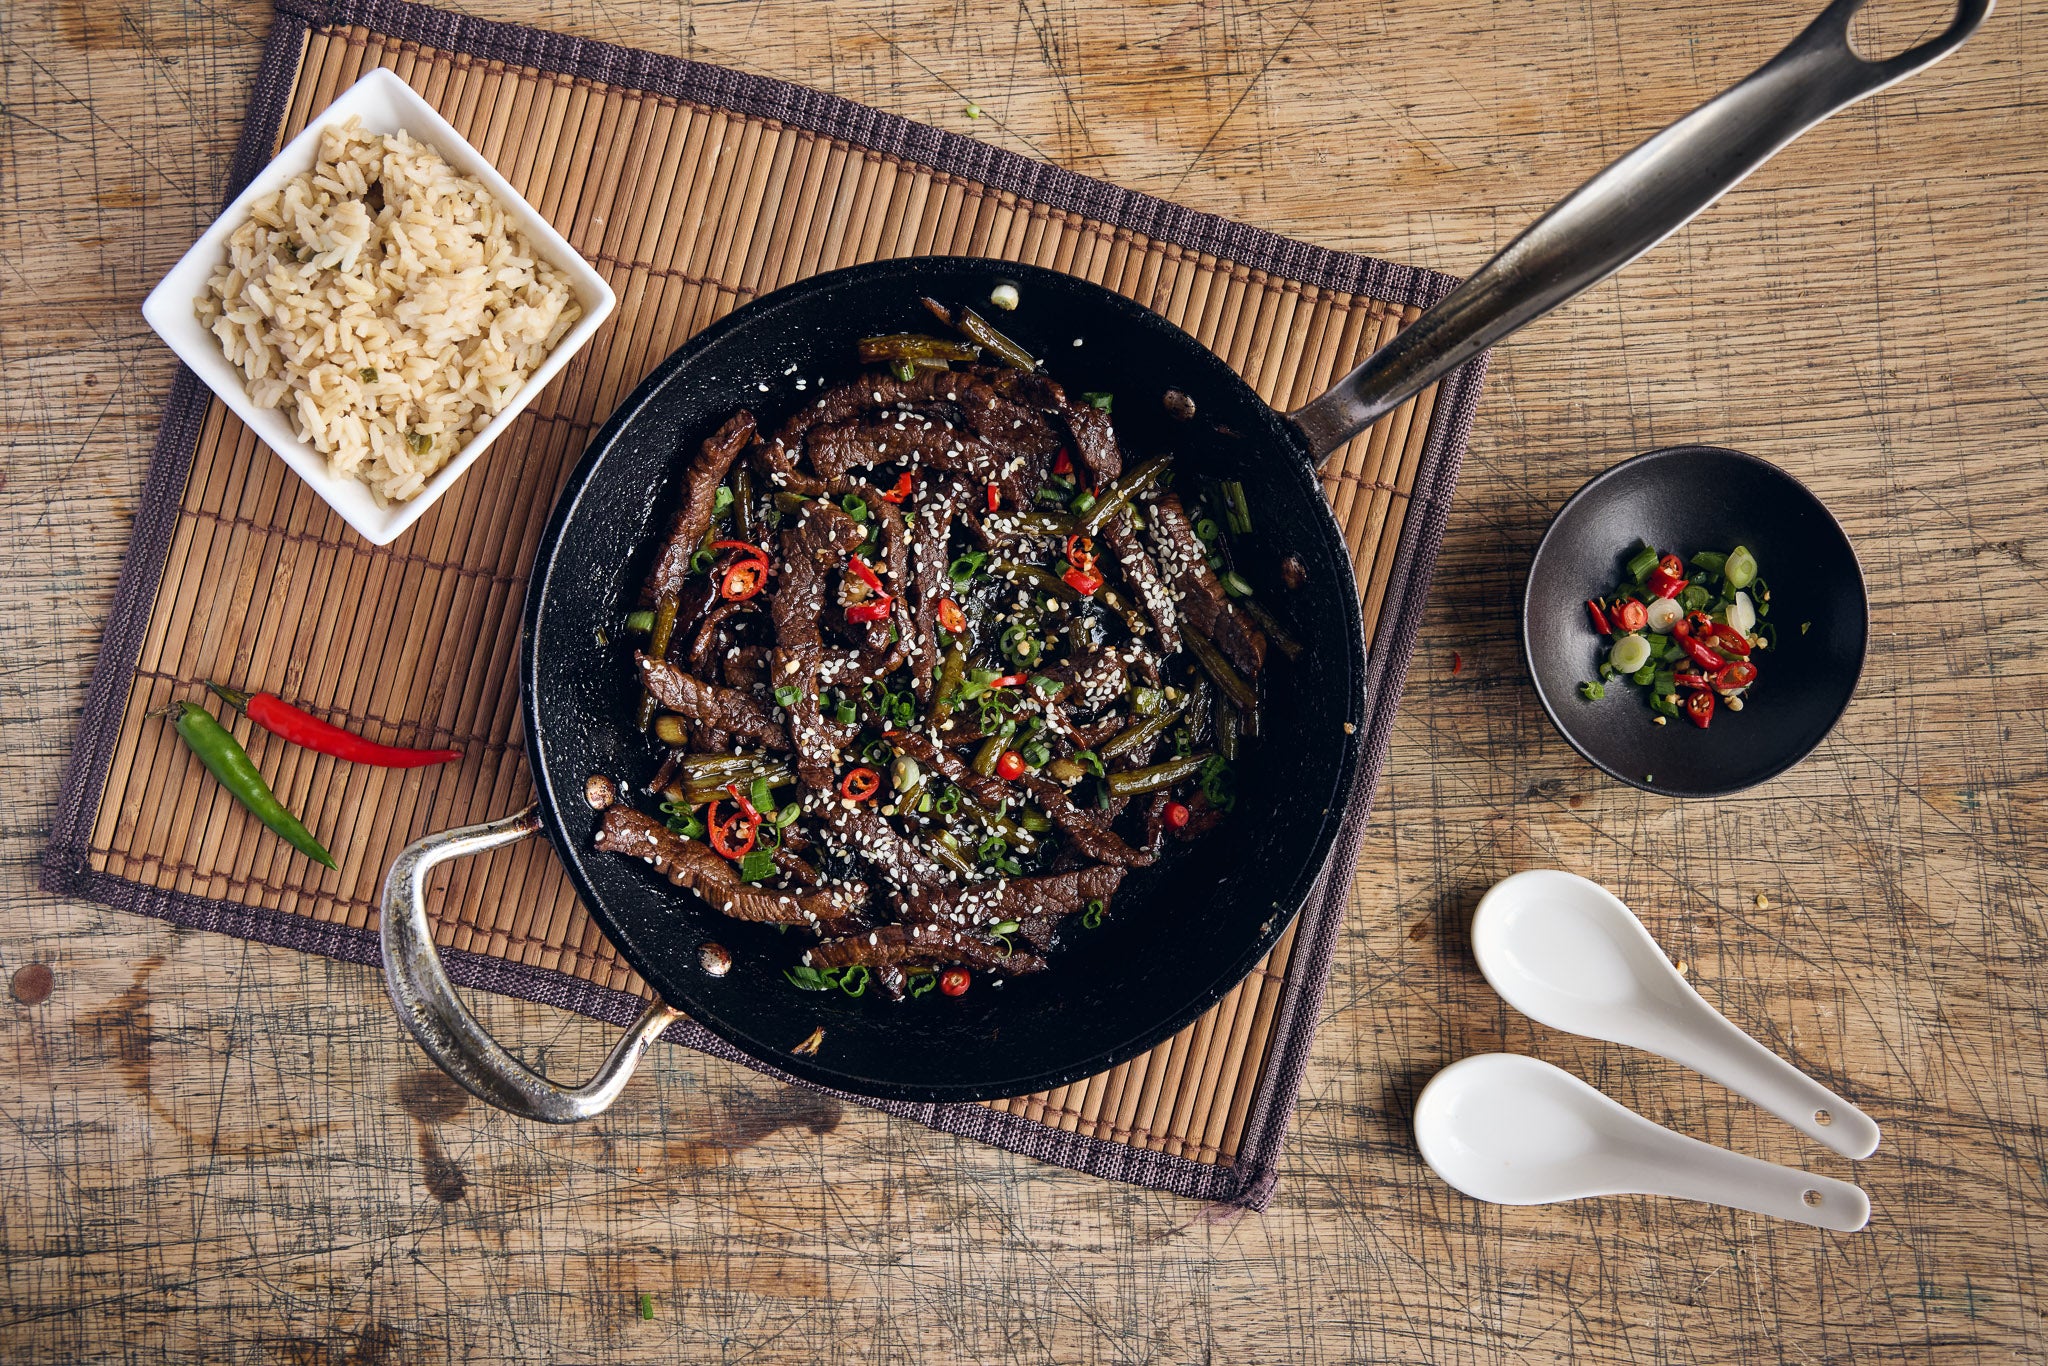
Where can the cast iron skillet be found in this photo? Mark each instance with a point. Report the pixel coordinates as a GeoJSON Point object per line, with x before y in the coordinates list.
{"type": "Point", "coordinates": [1182, 935]}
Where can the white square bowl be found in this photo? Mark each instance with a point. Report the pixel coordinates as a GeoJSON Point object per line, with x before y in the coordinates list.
{"type": "Point", "coordinates": [385, 104]}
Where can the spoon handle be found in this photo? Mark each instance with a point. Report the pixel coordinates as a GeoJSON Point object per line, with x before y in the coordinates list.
{"type": "Point", "coordinates": [1668, 1163]}
{"type": "Point", "coordinates": [1718, 1048]}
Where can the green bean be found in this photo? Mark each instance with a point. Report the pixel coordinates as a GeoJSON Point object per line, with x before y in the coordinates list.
{"type": "Point", "coordinates": [671, 729]}
{"type": "Point", "coordinates": [985, 757]}
{"type": "Point", "coordinates": [952, 668]}
{"type": "Point", "coordinates": [977, 329]}
{"type": "Point", "coordinates": [946, 851]}
{"type": "Point", "coordinates": [915, 347]}
{"type": "Point", "coordinates": [1044, 580]}
{"type": "Point", "coordinates": [1248, 724]}
{"type": "Point", "coordinates": [1275, 632]}
{"type": "Point", "coordinates": [1119, 494]}
{"type": "Point", "coordinates": [1034, 820]}
{"type": "Point", "coordinates": [785, 501]}
{"type": "Point", "coordinates": [1226, 732]}
{"type": "Point", "coordinates": [998, 823]}
{"type": "Point", "coordinates": [1234, 687]}
{"type": "Point", "coordinates": [1142, 733]}
{"type": "Point", "coordinates": [1237, 512]}
{"type": "Point", "coordinates": [657, 648]}
{"type": "Point", "coordinates": [715, 770]}
{"type": "Point", "coordinates": [226, 760]}
{"type": "Point", "coordinates": [1138, 781]}
{"type": "Point", "coordinates": [1065, 771]}
{"type": "Point", "coordinates": [743, 504]}
{"type": "Point", "coordinates": [640, 623]}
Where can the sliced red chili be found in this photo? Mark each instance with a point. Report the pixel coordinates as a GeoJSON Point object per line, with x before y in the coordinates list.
{"type": "Point", "coordinates": [721, 833]}
{"type": "Point", "coordinates": [954, 981]}
{"type": "Point", "coordinates": [1600, 622]}
{"type": "Point", "coordinates": [901, 491]}
{"type": "Point", "coordinates": [1737, 675]}
{"type": "Point", "coordinates": [1697, 624]}
{"type": "Point", "coordinates": [1010, 766]}
{"type": "Point", "coordinates": [1063, 463]}
{"type": "Point", "coordinates": [1731, 641]}
{"type": "Point", "coordinates": [1086, 582]}
{"type": "Point", "coordinates": [744, 580]}
{"type": "Point", "coordinates": [1700, 707]}
{"type": "Point", "coordinates": [1631, 615]}
{"type": "Point", "coordinates": [865, 574]}
{"type": "Point", "coordinates": [1663, 585]}
{"type": "Point", "coordinates": [1006, 681]}
{"type": "Point", "coordinates": [861, 784]}
{"type": "Point", "coordinates": [1177, 815]}
{"type": "Point", "coordinates": [741, 799]}
{"type": "Point", "coordinates": [1688, 678]}
{"type": "Point", "coordinates": [752, 550]}
{"type": "Point", "coordinates": [1702, 654]}
{"type": "Point", "coordinates": [1672, 565]}
{"type": "Point", "coordinates": [995, 498]}
{"type": "Point", "coordinates": [951, 618]}
{"type": "Point", "coordinates": [1081, 551]}
{"type": "Point", "coordinates": [874, 609]}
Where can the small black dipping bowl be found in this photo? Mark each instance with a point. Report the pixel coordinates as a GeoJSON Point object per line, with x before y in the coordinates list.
{"type": "Point", "coordinates": [1685, 499]}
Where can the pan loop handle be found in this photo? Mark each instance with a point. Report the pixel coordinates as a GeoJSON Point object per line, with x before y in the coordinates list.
{"type": "Point", "coordinates": [1624, 211]}
{"type": "Point", "coordinates": [429, 1009]}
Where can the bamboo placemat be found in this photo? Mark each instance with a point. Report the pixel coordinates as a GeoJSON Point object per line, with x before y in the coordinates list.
{"type": "Point", "coordinates": [694, 188]}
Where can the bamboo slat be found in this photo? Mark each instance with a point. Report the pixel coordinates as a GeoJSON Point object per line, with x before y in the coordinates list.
{"type": "Point", "coordinates": [689, 212]}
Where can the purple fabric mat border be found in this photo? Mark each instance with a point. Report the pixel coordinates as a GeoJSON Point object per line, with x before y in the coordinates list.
{"type": "Point", "coordinates": [1250, 1179]}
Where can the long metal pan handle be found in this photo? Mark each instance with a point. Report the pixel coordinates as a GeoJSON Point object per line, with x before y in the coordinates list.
{"type": "Point", "coordinates": [427, 1004]}
{"type": "Point", "coordinates": [1624, 211]}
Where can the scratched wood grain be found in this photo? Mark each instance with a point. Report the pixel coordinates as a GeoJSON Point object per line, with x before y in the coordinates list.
{"type": "Point", "coordinates": [212, 1150]}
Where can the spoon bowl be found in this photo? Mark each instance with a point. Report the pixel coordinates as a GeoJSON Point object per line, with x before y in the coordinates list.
{"type": "Point", "coordinates": [1568, 953]}
{"type": "Point", "coordinates": [1515, 1131]}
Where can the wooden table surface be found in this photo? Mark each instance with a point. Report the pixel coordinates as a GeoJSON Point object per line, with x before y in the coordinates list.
{"type": "Point", "coordinates": [214, 1150]}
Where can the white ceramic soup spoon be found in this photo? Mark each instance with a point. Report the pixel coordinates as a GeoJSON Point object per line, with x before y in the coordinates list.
{"type": "Point", "coordinates": [1567, 953]}
{"type": "Point", "coordinates": [1516, 1131]}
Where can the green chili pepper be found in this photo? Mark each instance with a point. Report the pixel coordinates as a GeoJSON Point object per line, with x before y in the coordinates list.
{"type": "Point", "coordinates": [226, 760]}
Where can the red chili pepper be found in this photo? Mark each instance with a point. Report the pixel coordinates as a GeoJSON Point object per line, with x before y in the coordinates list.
{"type": "Point", "coordinates": [1457, 661]}
{"type": "Point", "coordinates": [874, 609]}
{"type": "Point", "coordinates": [1177, 815]}
{"type": "Point", "coordinates": [901, 491]}
{"type": "Point", "coordinates": [1600, 622]}
{"type": "Point", "coordinates": [951, 618]}
{"type": "Point", "coordinates": [287, 722]}
{"type": "Point", "coordinates": [1006, 681]}
{"type": "Point", "coordinates": [1063, 463]}
{"type": "Point", "coordinates": [995, 498]}
{"type": "Point", "coordinates": [866, 574]}
{"type": "Point", "coordinates": [1010, 766]}
{"type": "Point", "coordinates": [1700, 707]}
{"type": "Point", "coordinates": [861, 784]}
{"type": "Point", "coordinates": [1631, 615]}
{"type": "Point", "coordinates": [721, 833]}
{"type": "Point", "coordinates": [1737, 675]}
{"type": "Point", "coordinates": [1696, 624]}
{"type": "Point", "coordinates": [753, 550]}
{"type": "Point", "coordinates": [1671, 565]}
{"type": "Point", "coordinates": [744, 580]}
{"type": "Point", "coordinates": [1081, 551]}
{"type": "Point", "coordinates": [1702, 654]}
{"type": "Point", "coordinates": [745, 803]}
{"type": "Point", "coordinates": [1686, 678]}
{"type": "Point", "coordinates": [1731, 641]}
{"type": "Point", "coordinates": [1663, 585]}
{"type": "Point", "coordinates": [1086, 582]}
{"type": "Point", "coordinates": [953, 981]}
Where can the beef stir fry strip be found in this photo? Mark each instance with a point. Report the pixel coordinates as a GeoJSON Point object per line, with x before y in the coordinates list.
{"type": "Point", "coordinates": [936, 666]}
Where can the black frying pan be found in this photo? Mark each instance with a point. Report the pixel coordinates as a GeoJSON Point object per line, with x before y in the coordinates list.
{"type": "Point", "coordinates": [1185, 933]}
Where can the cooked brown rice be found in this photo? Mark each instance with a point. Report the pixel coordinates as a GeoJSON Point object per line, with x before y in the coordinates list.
{"type": "Point", "coordinates": [387, 304]}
